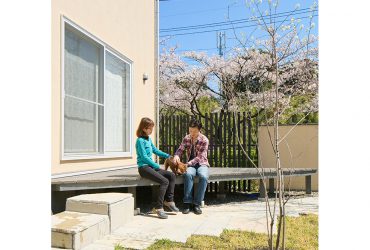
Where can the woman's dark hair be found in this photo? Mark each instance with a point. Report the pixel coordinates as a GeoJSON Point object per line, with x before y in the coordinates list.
{"type": "Point", "coordinates": [144, 123]}
{"type": "Point", "coordinates": [195, 123]}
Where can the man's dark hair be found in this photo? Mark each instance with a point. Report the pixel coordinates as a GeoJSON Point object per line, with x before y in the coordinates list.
{"type": "Point", "coordinates": [195, 123]}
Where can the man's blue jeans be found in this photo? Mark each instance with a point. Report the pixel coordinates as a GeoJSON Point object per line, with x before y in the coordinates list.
{"type": "Point", "coordinates": [202, 172]}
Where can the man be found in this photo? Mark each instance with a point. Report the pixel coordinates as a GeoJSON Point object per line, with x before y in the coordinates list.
{"type": "Point", "coordinates": [196, 146]}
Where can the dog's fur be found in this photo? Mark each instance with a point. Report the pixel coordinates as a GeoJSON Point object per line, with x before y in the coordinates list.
{"type": "Point", "coordinates": [177, 169]}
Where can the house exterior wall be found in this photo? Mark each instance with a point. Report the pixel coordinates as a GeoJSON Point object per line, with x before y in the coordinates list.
{"type": "Point", "coordinates": [303, 145]}
{"type": "Point", "coordinates": [129, 28]}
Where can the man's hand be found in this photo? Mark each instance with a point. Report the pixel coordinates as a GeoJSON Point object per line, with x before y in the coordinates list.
{"type": "Point", "coordinates": [176, 158]}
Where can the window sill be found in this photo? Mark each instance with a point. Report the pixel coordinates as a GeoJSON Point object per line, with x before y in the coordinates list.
{"type": "Point", "coordinates": [71, 157]}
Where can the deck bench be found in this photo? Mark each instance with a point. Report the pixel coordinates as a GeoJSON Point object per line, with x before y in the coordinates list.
{"type": "Point", "coordinates": [131, 179]}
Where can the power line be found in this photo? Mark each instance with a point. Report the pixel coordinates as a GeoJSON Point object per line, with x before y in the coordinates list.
{"type": "Point", "coordinates": [239, 27]}
{"type": "Point", "coordinates": [184, 50]}
{"type": "Point", "coordinates": [199, 11]}
{"type": "Point", "coordinates": [200, 49]}
{"type": "Point", "coordinates": [193, 12]}
{"type": "Point", "coordinates": [302, 11]}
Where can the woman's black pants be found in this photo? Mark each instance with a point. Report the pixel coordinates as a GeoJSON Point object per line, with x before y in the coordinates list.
{"type": "Point", "coordinates": [166, 180]}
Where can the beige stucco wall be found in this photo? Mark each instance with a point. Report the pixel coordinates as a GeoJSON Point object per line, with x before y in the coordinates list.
{"type": "Point", "coordinates": [127, 26]}
{"type": "Point", "coordinates": [303, 144]}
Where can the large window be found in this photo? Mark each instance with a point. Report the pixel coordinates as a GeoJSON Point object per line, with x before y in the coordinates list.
{"type": "Point", "coordinates": [96, 97]}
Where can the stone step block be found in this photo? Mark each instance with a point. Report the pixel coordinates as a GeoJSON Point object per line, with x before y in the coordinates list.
{"type": "Point", "coordinates": [77, 230]}
{"type": "Point", "coordinates": [118, 206]}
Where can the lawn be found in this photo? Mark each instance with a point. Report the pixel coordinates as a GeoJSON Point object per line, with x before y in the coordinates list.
{"type": "Point", "coordinates": [302, 234]}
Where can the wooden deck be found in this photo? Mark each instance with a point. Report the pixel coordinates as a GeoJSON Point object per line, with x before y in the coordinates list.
{"type": "Point", "coordinates": [131, 178]}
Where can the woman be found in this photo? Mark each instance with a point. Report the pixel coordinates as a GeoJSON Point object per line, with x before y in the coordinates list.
{"type": "Point", "coordinates": [151, 170]}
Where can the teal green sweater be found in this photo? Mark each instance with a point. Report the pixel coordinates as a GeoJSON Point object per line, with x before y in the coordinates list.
{"type": "Point", "coordinates": [144, 150]}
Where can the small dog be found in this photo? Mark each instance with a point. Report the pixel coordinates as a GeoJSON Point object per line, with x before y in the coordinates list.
{"type": "Point", "coordinates": [177, 169]}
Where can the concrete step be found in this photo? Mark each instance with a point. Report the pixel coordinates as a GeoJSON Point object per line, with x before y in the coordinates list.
{"type": "Point", "coordinates": [119, 207]}
{"type": "Point", "coordinates": [76, 230]}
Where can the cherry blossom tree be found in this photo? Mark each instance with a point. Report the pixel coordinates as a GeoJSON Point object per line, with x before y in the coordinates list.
{"type": "Point", "coordinates": [181, 84]}
{"type": "Point", "coordinates": [244, 78]}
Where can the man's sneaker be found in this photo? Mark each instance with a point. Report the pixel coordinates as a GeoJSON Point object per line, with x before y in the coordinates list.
{"type": "Point", "coordinates": [160, 212]}
{"type": "Point", "coordinates": [197, 209]}
{"type": "Point", "coordinates": [186, 208]}
{"type": "Point", "coordinates": [171, 206]}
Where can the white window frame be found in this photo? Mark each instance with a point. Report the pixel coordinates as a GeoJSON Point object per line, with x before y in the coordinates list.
{"type": "Point", "coordinates": [106, 48]}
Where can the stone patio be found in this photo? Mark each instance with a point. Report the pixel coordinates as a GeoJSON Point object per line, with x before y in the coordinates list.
{"type": "Point", "coordinates": [145, 229]}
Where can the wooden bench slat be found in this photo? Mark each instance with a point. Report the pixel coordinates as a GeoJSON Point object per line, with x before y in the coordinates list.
{"type": "Point", "coordinates": [131, 178]}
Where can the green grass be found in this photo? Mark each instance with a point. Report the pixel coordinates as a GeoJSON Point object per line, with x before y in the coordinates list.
{"type": "Point", "coordinates": [302, 234]}
{"type": "Point", "coordinates": [119, 247]}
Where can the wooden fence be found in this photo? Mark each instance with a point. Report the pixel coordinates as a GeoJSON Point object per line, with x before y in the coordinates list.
{"type": "Point", "coordinates": [228, 133]}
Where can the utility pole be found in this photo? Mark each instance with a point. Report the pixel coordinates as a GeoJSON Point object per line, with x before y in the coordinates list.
{"type": "Point", "coordinates": [221, 46]}
{"type": "Point", "coordinates": [221, 42]}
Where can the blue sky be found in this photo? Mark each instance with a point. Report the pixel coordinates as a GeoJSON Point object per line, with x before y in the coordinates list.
{"type": "Point", "coordinates": [180, 13]}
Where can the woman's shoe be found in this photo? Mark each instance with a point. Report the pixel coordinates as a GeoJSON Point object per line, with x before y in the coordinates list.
{"type": "Point", "coordinates": [171, 206]}
{"type": "Point", "coordinates": [160, 212]}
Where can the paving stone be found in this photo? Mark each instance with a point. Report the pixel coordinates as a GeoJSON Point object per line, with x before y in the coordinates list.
{"type": "Point", "coordinates": [213, 226]}
{"type": "Point", "coordinates": [144, 230]}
